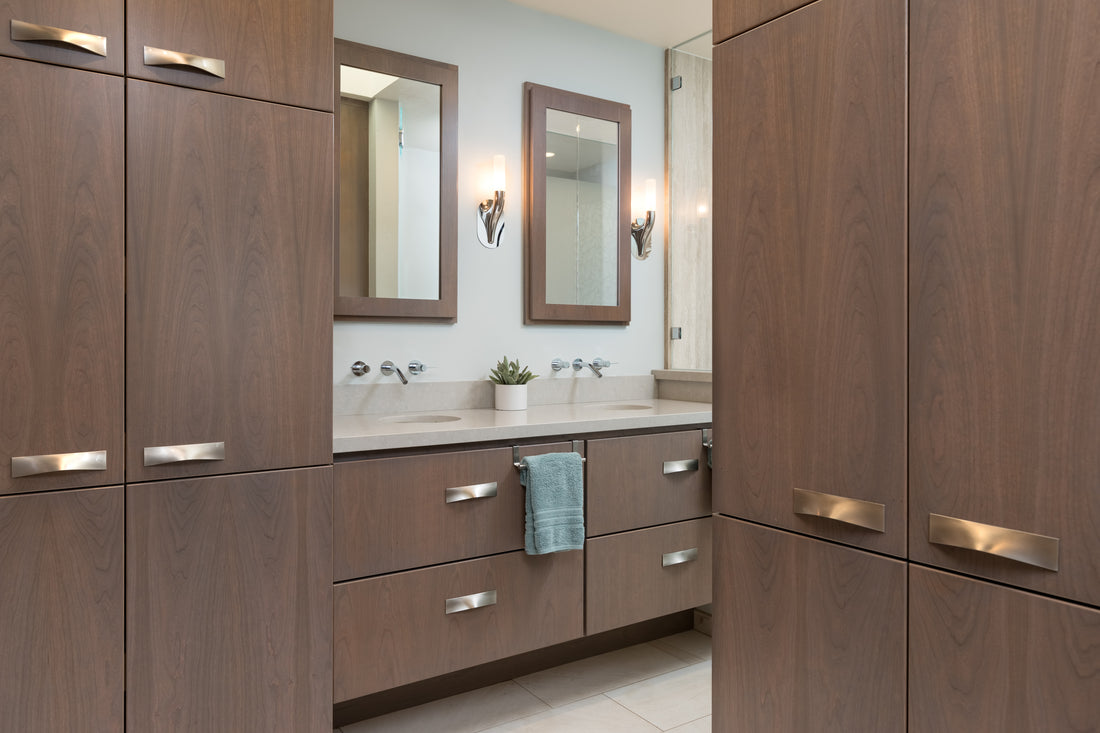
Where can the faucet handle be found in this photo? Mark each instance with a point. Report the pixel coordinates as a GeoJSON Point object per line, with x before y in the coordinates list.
{"type": "Point", "coordinates": [558, 364]}
{"type": "Point", "coordinates": [601, 363]}
{"type": "Point", "coordinates": [417, 367]}
{"type": "Point", "coordinates": [360, 368]}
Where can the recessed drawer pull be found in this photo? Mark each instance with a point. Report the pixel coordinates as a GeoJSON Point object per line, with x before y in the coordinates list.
{"type": "Point", "coordinates": [680, 557]}
{"type": "Point", "coordinates": [867, 514]}
{"type": "Point", "coordinates": [470, 602]}
{"type": "Point", "coordinates": [691, 464]}
{"type": "Point", "coordinates": [95, 460]}
{"type": "Point", "coordinates": [473, 491]}
{"type": "Point", "coordinates": [164, 57]}
{"type": "Point", "coordinates": [23, 31]}
{"type": "Point", "coordinates": [161, 454]}
{"type": "Point", "coordinates": [1026, 547]}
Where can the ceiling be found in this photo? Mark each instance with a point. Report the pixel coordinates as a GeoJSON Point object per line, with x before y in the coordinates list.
{"type": "Point", "coordinates": [661, 22]}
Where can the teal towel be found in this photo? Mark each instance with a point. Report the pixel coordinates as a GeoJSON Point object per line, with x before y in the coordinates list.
{"type": "Point", "coordinates": [555, 502]}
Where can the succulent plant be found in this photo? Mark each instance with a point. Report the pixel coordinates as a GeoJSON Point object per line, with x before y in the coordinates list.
{"type": "Point", "coordinates": [510, 372]}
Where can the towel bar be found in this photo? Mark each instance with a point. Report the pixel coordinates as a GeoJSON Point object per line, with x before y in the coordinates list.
{"type": "Point", "coordinates": [518, 462]}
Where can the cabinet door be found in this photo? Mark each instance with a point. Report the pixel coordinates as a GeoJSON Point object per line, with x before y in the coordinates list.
{"type": "Point", "coordinates": [229, 604]}
{"type": "Point", "coordinates": [229, 292]}
{"type": "Point", "coordinates": [61, 277]}
{"type": "Point", "coordinates": [279, 51]}
{"type": "Point", "coordinates": [61, 586]}
{"type": "Point", "coordinates": [737, 16]}
{"type": "Point", "coordinates": [808, 636]}
{"type": "Point", "coordinates": [82, 33]}
{"type": "Point", "coordinates": [1005, 262]}
{"type": "Point", "coordinates": [809, 272]}
{"type": "Point", "coordinates": [986, 657]}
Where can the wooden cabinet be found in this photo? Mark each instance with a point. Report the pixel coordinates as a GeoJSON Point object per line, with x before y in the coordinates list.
{"type": "Point", "coordinates": [229, 593]}
{"type": "Point", "coordinates": [644, 480]}
{"type": "Point", "coordinates": [639, 575]}
{"type": "Point", "coordinates": [403, 627]}
{"type": "Point", "coordinates": [275, 51]}
{"type": "Point", "coordinates": [61, 600]}
{"type": "Point", "coordinates": [732, 17]}
{"type": "Point", "coordinates": [1004, 392]}
{"type": "Point", "coordinates": [809, 270]}
{"type": "Point", "coordinates": [229, 299]}
{"type": "Point", "coordinates": [1009, 659]}
{"type": "Point", "coordinates": [61, 277]}
{"type": "Point", "coordinates": [91, 33]}
{"type": "Point", "coordinates": [808, 635]}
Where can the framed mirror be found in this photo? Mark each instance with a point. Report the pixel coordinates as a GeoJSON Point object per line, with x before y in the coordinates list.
{"type": "Point", "coordinates": [395, 243]}
{"type": "Point", "coordinates": [577, 200]}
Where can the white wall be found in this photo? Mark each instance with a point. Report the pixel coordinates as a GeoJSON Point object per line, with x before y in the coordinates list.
{"type": "Point", "coordinates": [498, 46]}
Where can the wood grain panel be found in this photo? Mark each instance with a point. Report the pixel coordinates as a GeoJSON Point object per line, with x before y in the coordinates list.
{"type": "Point", "coordinates": [229, 292]}
{"type": "Point", "coordinates": [61, 270]}
{"type": "Point", "coordinates": [392, 630]}
{"type": "Point", "coordinates": [61, 600]}
{"type": "Point", "coordinates": [809, 267]}
{"type": "Point", "coordinates": [626, 582]}
{"type": "Point", "coordinates": [97, 17]}
{"type": "Point", "coordinates": [275, 51]}
{"type": "Point", "coordinates": [732, 17]}
{"type": "Point", "coordinates": [808, 636]}
{"type": "Point", "coordinates": [626, 488]}
{"type": "Point", "coordinates": [1005, 262]}
{"type": "Point", "coordinates": [986, 657]}
{"type": "Point", "coordinates": [229, 604]}
{"type": "Point", "coordinates": [390, 514]}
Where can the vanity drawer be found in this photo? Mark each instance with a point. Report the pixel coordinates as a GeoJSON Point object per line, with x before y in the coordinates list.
{"type": "Point", "coordinates": [645, 480]}
{"type": "Point", "coordinates": [400, 513]}
{"type": "Point", "coordinates": [396, 629]}
{"type": "Point", "coordinates": [639, 575]}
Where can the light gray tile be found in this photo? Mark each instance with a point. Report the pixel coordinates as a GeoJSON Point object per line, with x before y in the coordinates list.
{"type": "Point", "coordinates": [702, 725]}
{"type": "Point", "coordinates": [670, 700]}
{"type": "Point", "coordinates": [466, 713]}
{"type": "Point", "coordinates": [592, 715]}
{"type": "Point", "coordinates": [587, 677]}
{"type": "Point", "coordinates": [691, 646]}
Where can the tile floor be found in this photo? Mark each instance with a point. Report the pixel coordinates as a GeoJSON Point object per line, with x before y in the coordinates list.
{"type": "Point", "coordinates": [663, 685]}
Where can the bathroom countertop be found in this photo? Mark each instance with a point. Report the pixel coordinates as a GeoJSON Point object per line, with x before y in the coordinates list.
{"type": "Point", "coordinates": [355, 433]}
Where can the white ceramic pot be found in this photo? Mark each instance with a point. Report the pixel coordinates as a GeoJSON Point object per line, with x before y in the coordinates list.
{"type": "Point", "coordinates": [510, 396]}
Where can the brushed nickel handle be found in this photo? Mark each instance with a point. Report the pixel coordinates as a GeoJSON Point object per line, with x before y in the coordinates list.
{"type": "Point", "coordinates": [95, 460]}
{"type": "Point", "coordinates": [473, 491]}
{"type": "Point", "coordinates": [472, 601]}
{"type": "Point", "coordinates": [161, 454]}
{"type": "Point", "coordinates": [23, 31]}
{"type": "Point", "coordinates": [1026, 547]}
{"type": "Point", "coordinates": [867, 514]}
{"type": "Point", "coordinates": [691, 464]}
{"type": "Point", "coordinates": [680, 557]}
{"type": "Point", "coordinates": [164, 57]}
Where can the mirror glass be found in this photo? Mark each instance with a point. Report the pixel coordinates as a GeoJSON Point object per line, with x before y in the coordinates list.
{"type": "Point", "coordinates": [389, 159]}
{"type": "Point", "coordinates": [582, 206]}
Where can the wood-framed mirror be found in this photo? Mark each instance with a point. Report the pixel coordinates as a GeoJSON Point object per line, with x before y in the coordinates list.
{"type": "Point", "coordinates": [577, 206]}
{"type": "Point", "coordinates": [395, 243]}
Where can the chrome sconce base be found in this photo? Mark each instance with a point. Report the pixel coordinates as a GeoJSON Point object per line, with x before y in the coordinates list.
{"type": "Point", "coordinates": [642, 233]}
{"type": "Point", "coordinates": [490, 227]}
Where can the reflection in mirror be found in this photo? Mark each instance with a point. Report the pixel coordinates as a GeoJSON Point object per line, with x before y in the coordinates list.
{"type": "Point", "coordinates": [582, 205]}
{"type": "Point", "coordinates": [396, 213]}
{"type": "Point", "coordinates": [389, 154]}
{"type": "Point", "coordinates": [577, 156]}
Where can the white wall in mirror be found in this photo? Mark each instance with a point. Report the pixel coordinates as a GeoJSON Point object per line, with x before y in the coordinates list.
{"type": "Point", "coordinates": [498, 46]}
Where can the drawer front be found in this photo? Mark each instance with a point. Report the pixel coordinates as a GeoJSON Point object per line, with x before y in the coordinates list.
{"type": "Point", "coordinates": [396, 629]}
{"type": "Point", "coordinates": [400, 513]}
{"type": "Point", "coordinates": [647, 573]}
{"type": "Point", "coordinates": [645, 480]}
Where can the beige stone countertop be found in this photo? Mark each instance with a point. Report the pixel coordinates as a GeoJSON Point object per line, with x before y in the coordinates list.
{"type": "Point", "coordinates": [355, 433]}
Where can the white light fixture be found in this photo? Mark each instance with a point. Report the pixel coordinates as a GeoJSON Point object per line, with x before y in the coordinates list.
{"type": "Point", "coordinates": [489, 211]}
{"type": "Point", "coordinates": [642, 229]}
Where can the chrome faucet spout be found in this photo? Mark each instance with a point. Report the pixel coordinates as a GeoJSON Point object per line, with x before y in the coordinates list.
{"type": "Point", "coordinates": [595, 365]}
{"type": "Point", "coordinates": [388, 368]}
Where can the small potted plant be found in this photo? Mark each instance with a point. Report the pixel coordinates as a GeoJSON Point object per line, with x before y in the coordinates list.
{"type": "Point", "coordinates": [511, 384]}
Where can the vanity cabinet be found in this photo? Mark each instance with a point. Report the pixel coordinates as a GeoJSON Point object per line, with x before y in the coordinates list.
{"type": "Point", "coordinates": [91, 30]}
{"type": "Point", "coordinates": [732, 17]}
{"type": "Point", "coordinates": [61, 277]}
{"type": "Point", "coordinates": [229, 296]}
{"type": "Point", "coordinates": [229, 603]}
{"type": "Point", "coordinates": [61, 601]}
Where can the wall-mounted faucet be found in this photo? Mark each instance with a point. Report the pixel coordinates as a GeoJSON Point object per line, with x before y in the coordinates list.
{"type": "Point", "coordinates": [388, 368]}
{"type": "Point", "coordinates": [595, 365]}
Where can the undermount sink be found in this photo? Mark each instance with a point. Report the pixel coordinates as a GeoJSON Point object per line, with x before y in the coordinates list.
{"type": "Point", "coordinates": [422, 419]}
{"type": "Point", "coordinates": [621, 406]}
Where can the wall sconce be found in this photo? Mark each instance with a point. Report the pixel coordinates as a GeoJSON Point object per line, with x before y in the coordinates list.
{"type": "Point", "coordinates": [489, 211]}
{"type": "Point", "coordinates": [642, 229]}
